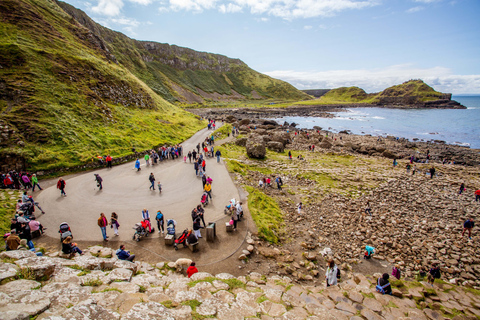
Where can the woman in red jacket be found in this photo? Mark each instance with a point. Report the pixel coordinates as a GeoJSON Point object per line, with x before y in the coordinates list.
{"type": "Point", "coordinates": [192, 269]}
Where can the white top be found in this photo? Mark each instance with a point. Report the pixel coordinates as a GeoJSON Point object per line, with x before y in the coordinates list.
{"type": "Point", "coordinates": [331, 275]}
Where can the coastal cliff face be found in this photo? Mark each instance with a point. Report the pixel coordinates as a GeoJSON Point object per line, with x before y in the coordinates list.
{"type": "Point", "coordinates": [89, 287]}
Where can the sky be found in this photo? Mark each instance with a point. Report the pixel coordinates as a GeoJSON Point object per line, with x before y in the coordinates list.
{"type": "Point", "coordinates": [317, 44]}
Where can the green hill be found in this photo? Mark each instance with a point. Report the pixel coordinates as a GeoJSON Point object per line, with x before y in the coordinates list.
{"type": "Point", "coordinates": [70, 91]}
{"type": "Point", "coordinates": [413, 93]}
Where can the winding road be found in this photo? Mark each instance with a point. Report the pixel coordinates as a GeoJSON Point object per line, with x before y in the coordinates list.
{"type": "Point", "coordinates": [126, 192]}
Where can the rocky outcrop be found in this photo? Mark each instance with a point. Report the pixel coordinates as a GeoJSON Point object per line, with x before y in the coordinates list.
{"type": "Point", "coordinates": [255, 146]}
{"type": "Point", "coordinates": [160, 293]}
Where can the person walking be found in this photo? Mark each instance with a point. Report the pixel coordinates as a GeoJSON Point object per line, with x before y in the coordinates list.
{"type": "Point", "coordinates": [99, 181]}
{"type": "Point", "coordinates": [208, 190]}
{"type": "Point", "coordinates": [468, 226]}
{"type": "Point", "coordinates": [239, 210]}
{"type": "Point", "coordinates": [114, 222]}
{"type": "Point", "coordinates": [299, 208]}
{"type": "Point", "coordinates": [122, 254]}
{"type": "Point", "coordinates": [152, 181]}
{"type": "Point", "coordinates": [189, 155]}
{"type": "Point", "coordinates": [160, 221]}
{"type": "Point", "coordinates": [146, 218]}
{"type": "Point", "coordinates": [35, 182]}
{"type": "Point", "coordinates": [61, 185]}
{"type": "Point", "coordinates": [331, 273]}
{"type": "Point", "coordinates": [368, 209]}
{"type": "Point", "coordinates": [204, 181]}
{"type": "Point", "coordinates": [218, 154]}
{"type": "Point", "coordinates": [462, 188]}
{"type": "Point", "coordinates": [203, 165]}
{"type": "Point", "coordinates": [109, 161]}
{"type": "Point", "coordinates": [137, 165]}
{"type": "Point", "coordinates": [103, 223]}
{"type": "Point", "coordinates": [147, 159]}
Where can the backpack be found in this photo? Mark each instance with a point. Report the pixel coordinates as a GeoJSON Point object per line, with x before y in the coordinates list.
{"type": "Point", "coordinates": [381, 289]}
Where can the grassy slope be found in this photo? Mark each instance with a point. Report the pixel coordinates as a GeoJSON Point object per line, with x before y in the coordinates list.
{"type": "Point", "coordinates": [194, 70]}
{"type": "Point", "coordinates": [347, 95]}
{"type": "Point", "coordinates": [68, 103]}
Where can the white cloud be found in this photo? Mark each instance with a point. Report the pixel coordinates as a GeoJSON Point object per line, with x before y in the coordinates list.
{"type": "Point", "coordinates": [191, 5]}
{"type": "Point", "coordinates": [264, 19]}
{"type": "Point", "coordinates": [426, 1]}
{"type": "Point", "coordinates": [286, 9]}
{"type": "Point", "coordinates": [307, 27]}
{"type": "Point", "coordinates": [126, 21]}
{"type": "Point", "coordinates": [142, 2]}
{"type": "Point", "coordinates": [229, 8]}
{"type": "Point", "coordinates": [375, 80]}
{"type": "Point", "coordinates": [108, 7]}
{"type": "Point", "coordinates": [415, 9]}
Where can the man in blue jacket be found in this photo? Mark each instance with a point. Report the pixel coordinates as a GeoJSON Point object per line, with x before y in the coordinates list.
{"type": "Point", "coordinates": [125, 255]}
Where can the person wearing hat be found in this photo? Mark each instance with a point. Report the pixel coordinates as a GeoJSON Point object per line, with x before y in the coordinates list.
{"type": "Point", "coordinates": [24, 246]}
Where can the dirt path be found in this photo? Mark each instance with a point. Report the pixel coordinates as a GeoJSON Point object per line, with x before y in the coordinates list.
{"type": "Point", "coordinates": [126, 192]}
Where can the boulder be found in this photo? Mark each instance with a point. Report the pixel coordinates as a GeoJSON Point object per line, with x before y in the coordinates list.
{"type": "Point", "coordinates": [8, 271]}
{"type": "Point", "coordinates": [242, 142]}
{"type": "Point", "coordinates": [41, 267]}
{"type": "Point", "coordinates": [150, 311]}
{"type": "Point", "coordinates": [275, 146]}
{"type": "Point", "coordinates": [255, 147]}
{"type": "Point", "coordinates": [17, 254]}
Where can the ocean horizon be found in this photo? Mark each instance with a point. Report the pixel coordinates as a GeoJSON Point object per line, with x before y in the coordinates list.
{"type": "Point", "coordinates": [454, 126]}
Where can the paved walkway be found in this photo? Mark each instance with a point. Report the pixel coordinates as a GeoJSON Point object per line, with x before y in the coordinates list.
{"type": "Point", "coordinates": [126, 192]}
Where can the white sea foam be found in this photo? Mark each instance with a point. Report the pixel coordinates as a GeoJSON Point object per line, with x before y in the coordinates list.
{"type": "Point", "coordinates": [379, 118]}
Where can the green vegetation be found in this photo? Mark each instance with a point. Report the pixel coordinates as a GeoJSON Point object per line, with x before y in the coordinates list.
{"type": "Point", "coordinates": [234, 283]}
{"type": "Point", "coordinates": [142, 289]}
{"type": "Point", "coordinates": [111, 289]}
{"type": "Point", "coordinates": [26, 274]}
{"type": "Point", "coordinates": [83, 273]}
{"type": "Point", "coordinates": [223, 132]}
{"type": "Point", "coordinates": [7, 209]}
{"type": "Point", "coordinates": [266, 214]}
{"type": "Point", "coordinates": [410, 92]}
{"type": "Point", "coordinates": [207, 279]}
{"type": "Point", "coordinates": [92, 283]}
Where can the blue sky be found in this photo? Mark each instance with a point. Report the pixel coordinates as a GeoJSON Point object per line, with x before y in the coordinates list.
{"type": "Point", "coordinates": [314, 44]}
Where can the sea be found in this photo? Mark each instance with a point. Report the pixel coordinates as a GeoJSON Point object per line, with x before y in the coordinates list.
{"type": "Point", "coordinates": [454, 126]}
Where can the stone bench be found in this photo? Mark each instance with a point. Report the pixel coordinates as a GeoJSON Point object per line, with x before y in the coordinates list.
{"type": "Point", "coordinates": [169, 239]}
{"type": "Point", "coordinates": [193, 246]}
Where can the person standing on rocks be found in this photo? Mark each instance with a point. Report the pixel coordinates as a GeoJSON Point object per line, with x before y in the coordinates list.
{"type": "Point", "coordinates": [368, 209]}
{"type": "Point", "coordinates": [468, 226]}
{"type": "Point", "coordinates": [477, 195]}
{"type": "Point", "coordinates": [433, 274]}
{"type": "Point", "coordinates": [151, 178]}
{"type": "Point", "coordinates": [408, 168]}
{"type": "Point", "coordinates": [462, 188]}
{"type": "Point", "coordinates": [279, 183]}
{"type": "Point", "coordinates": [331, 273]}
{"type": "Point", "coordinates": [414, 169]}
{"type": "Point", "coordinates": [61, 185]}
{"type": "Point", "coordinates": [432, 172]}
{"type": "Point", "coordinates": [299, 207]}
{"type": "Point", "coordinates": [103, 223]}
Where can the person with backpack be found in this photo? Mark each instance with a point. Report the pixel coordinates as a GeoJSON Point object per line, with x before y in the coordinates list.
{"type": "Point", "coordinates": [383, 285]}
{"type": "Point", "coordinates": [152, 181]}
{"type": "Point", "coordinates": [61, 185]}
{"type": "Point", "coordinates": [160, 221]}
{"type": "Point", "coordinates": [331, 275]}
{"type": "Point", "coordinates": [369, 251]}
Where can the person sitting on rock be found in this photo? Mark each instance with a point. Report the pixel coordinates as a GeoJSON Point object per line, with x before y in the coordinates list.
{"type": "Point", "coordinates": [122, 254]}
{"type": "Point", "coordinates": [191, 269]}
{"type": "Point", "coordinates": [12, 241]}
{"type": "Point", "coordinates": [369, 251]}
{"type": "Point", "coordinates": [23, 246]}
{"type": "Point", "coordinates": [68, 247]}
{"type": "Point", "coordinates": [383, 285]}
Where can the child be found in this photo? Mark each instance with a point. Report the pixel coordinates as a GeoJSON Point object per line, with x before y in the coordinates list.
{"type": "Point", "coordinates": [185, 159]}
{"type": "Point", "coordinates": [159, 185]}
{"type": "Point", "coordinates": [369, 251]}
{"type": "Point", "coordinates": [396, 272]}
